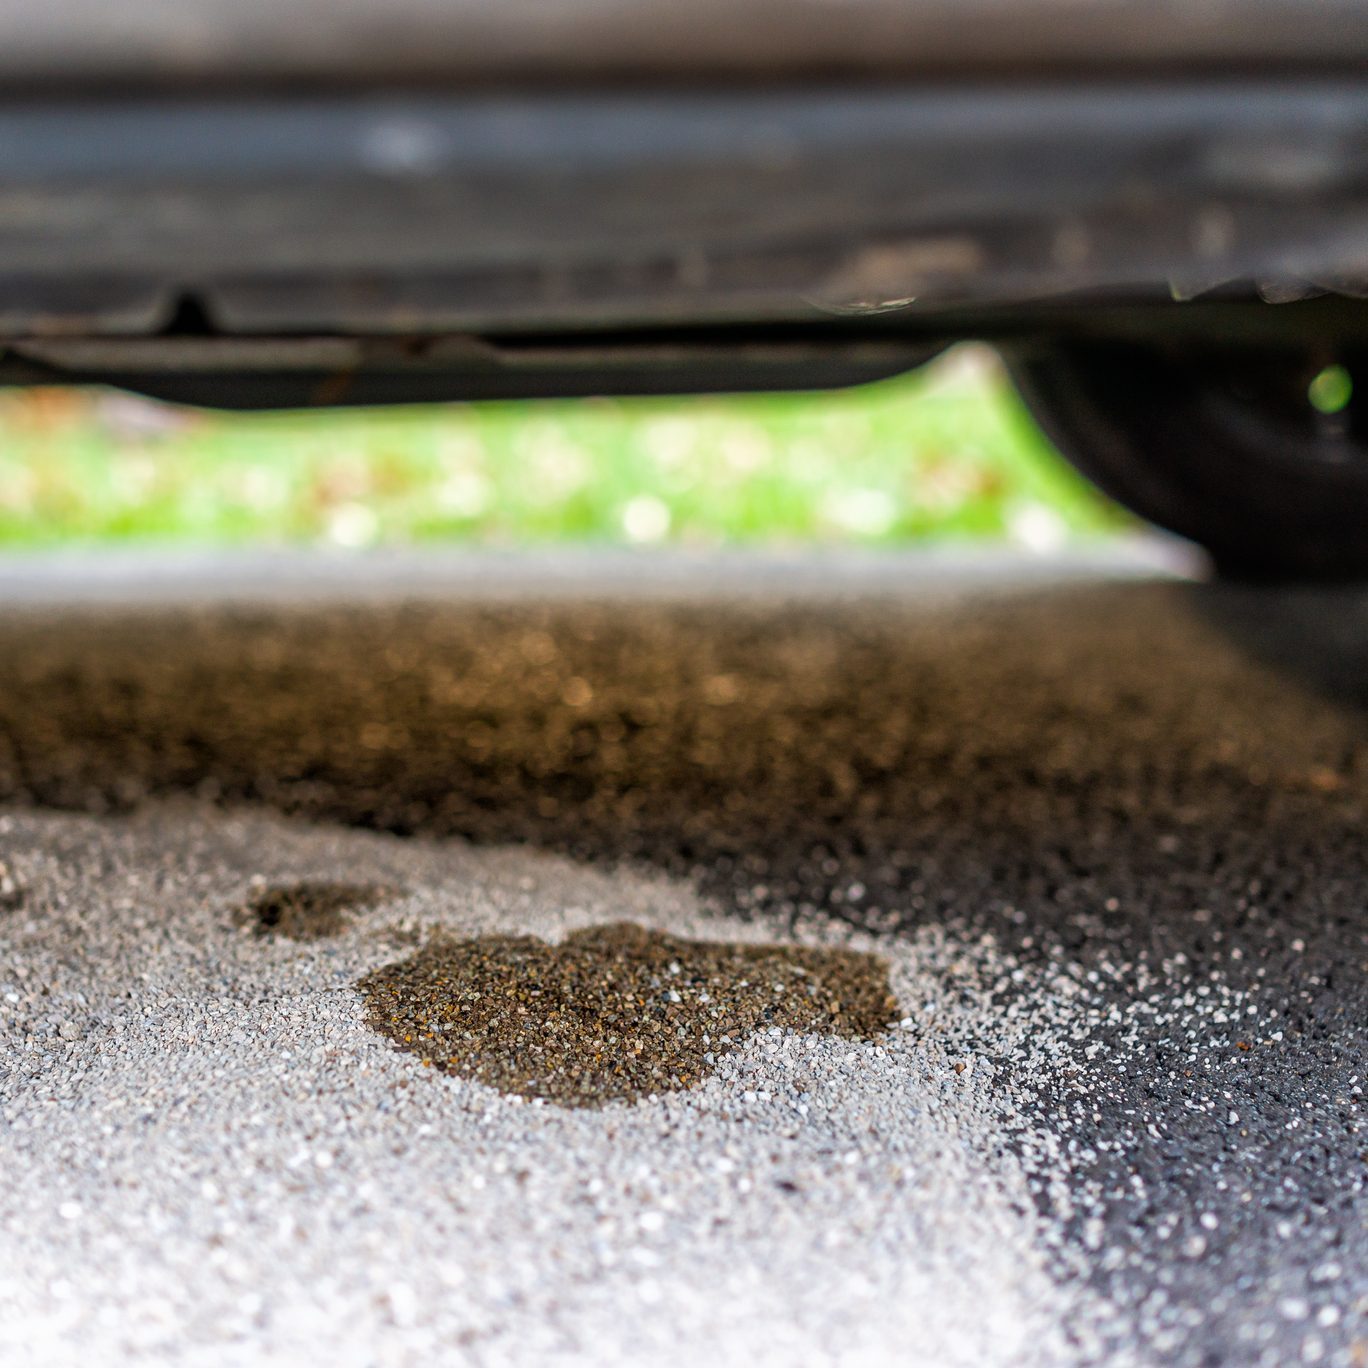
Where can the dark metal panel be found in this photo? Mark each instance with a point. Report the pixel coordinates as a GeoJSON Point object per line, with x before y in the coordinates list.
{"type": "Point", "coordinates": [433, 213]}
{"type": "Point", "coordinates": [140, 43]}
{"type": "Point", "coordinates": [302, 372]}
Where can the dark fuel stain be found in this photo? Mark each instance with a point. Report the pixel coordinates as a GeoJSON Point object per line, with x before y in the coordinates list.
{"type": "Point", "coordinates": [309, 911]}
{"type": "Point", "coordinates": [614, 1012]}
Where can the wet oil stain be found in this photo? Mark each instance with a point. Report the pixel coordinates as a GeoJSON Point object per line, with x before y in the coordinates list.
{"type": "Point", "coordinates": [309, 911]}
{"type": "Point", "coordinates": [614, 1012]}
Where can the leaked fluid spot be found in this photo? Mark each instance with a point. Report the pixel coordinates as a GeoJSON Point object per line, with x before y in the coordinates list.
{"type": "Point", "coordinates": [311, 910]}
{"type": "Point", "coordinates": [613, 1012]}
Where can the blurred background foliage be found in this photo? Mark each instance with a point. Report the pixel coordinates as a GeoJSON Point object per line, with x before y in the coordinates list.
{"type": "Point", "coordinates": [946, 453]}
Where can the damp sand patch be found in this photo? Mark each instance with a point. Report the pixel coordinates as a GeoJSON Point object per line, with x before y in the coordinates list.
{"type": "Point", "coordinates": [310, 910]}
{"type": "Point", "coordinates": [614, 1012]}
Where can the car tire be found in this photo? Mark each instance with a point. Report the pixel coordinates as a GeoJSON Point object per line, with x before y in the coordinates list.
{"type": "Point", "coordinates": [1258, 455]}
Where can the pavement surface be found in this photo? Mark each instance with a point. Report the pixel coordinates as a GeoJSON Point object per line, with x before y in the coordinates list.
{"type": "Point", "coordinates": [1101, 828]}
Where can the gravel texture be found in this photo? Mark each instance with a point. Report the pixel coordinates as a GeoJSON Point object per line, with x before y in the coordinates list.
{"type": "Point", "coordinates": [1107, 837]}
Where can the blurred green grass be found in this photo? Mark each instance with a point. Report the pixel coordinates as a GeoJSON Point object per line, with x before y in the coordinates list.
{"type": "Point", "coordinates": [947, 453]}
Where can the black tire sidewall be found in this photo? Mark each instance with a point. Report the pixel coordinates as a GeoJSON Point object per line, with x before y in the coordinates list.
{"type": "Point", "coordinates": [1138, 422]}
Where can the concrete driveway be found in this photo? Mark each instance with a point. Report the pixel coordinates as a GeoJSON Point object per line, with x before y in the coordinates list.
{"type": "Point", "coordinates": [1029, 1027]}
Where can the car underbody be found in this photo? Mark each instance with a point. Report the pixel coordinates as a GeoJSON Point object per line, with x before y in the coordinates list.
{"type": "Point", "coordinates": [278, 206]}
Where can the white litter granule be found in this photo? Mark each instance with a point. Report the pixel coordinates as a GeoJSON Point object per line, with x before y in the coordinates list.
{"type": "Point", "coordinates": [213, 1160]}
